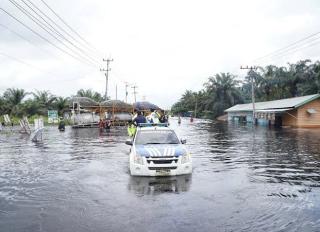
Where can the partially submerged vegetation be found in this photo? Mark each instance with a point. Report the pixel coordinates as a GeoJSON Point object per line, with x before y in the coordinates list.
{"type": "Point", "coordinates": [271, 83]}
{"type": "Point", "coordinates": [18, 102]}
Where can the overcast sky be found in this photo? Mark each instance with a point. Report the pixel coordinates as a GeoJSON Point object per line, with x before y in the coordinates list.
{"type": "Point", "coordinates": [164, 47]}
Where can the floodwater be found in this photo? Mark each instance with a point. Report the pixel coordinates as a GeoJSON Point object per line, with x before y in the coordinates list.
{"type": "Point", "coordinates": [244, 179]}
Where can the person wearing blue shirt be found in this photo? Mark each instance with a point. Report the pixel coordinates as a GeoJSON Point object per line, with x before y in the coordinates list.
{"type": "Point", "coordinates": [139, 119]}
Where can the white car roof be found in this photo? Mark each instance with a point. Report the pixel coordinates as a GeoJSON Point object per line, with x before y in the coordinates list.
{"type": "Point", "coordinates": [151, 128]}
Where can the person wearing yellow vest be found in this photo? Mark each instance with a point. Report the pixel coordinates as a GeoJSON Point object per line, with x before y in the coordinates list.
{"type": "Point", "coordinates": [131, 129]}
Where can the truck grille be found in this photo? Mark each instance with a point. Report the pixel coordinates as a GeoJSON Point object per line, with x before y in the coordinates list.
{"type": "Point", "coordinates": [163, 163]}
{"type": "Point", "coordinates": [162, 168]}
{"type": "Point", "coordinates": [163, 160]}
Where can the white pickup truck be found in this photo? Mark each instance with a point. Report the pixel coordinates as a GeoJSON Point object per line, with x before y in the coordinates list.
{"type": "Point", "coordinates": [157, 151]}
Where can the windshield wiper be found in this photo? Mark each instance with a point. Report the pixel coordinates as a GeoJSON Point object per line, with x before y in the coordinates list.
{"type": "Point", "coordinates": [151, 143]}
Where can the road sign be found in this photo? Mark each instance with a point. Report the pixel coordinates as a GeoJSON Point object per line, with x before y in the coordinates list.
{"type": "Point", "coordinates": [53, 116]}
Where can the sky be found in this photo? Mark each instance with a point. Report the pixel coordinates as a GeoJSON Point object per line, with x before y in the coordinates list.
{"type": "Point", "coordinates": [162, 47]}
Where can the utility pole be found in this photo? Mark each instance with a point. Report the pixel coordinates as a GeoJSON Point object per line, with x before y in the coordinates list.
{"type": "Point", "coordinates": [252, 75]}
{"type": "Point", "coordinates": [127, 85]}
{"type": "Point", "coordinates": [195, 108]}
{"type": "Point", "coordinates": [116, 92]}
{"type": "Point", "coordinates": [107, 74]}
{"type": "Point", "coordinates": [135, 93]}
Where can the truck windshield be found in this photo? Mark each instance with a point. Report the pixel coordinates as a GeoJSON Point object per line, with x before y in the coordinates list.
{"type": "Point", "coordinates": [156, 137]}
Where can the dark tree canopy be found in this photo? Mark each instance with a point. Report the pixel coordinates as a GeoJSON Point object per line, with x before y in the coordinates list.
{"type": "Point", "coordinates": [271, 83]}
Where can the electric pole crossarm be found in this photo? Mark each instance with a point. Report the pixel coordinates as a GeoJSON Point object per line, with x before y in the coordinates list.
{"type": "Point", "coordinates": [127, 85]}
{"type": "Point", "coordinates": [135, 92]}
{"type": "Point", "coordinates": [107, 75]}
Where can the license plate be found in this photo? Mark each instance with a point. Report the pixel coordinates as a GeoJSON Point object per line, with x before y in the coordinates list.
{"type": "Point", "coordinates": [163, 172]}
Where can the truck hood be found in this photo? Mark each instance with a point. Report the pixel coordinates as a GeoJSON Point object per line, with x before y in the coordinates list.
{"type": "Point", "coordinates": [160, 150]}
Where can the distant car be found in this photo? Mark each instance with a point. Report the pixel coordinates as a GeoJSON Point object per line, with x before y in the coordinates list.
{"type": "Point", "coordinates": [157, 151]}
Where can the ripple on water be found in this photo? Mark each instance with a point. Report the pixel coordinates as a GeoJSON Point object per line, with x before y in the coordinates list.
{"type": "Point", "coordinates": [244, 179]}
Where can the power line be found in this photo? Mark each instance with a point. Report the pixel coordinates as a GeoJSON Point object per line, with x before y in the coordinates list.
{"type": "Point", "coordinates": [40, 24]}
{"type": "Point", "coordinates": [61, 28]}
{"type": "Point", "coordinates": [124, 82]}
{"type": "Point", "coordinates": [290, 46]}
{"type": "Point", "coordinates": [42, 37]}
{"type": "Point", "coordinates": [18, 60]}
{"type": "Point", "coordinates": [17, 34]}
{"type": "Point", "coordinates": [52, 28]}
{"type": "Point", "coordinates": [56, 24]}
{"type": "Point", "coordinates": [35, 67]}
{"type": "Point", "coordinates": [66, 24]}
{"type": "Point", "coordinates": [26, 39]}
{"type": "Point", "coordinates": [278, 56]}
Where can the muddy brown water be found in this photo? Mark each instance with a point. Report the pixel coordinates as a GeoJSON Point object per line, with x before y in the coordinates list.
{"type": "Point", "coordinates": [243, 179]}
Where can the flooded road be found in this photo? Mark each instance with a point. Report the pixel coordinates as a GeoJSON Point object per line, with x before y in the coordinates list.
{"type": "Point", "coordinates": [244, 179]}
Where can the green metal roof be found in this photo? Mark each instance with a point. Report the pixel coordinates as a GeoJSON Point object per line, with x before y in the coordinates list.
{"type": "Point", "coordinates": [288, 103]}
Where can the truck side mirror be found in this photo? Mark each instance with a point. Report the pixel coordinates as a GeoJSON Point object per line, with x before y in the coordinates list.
{"type": "Point", "coordinates": [129, 142]}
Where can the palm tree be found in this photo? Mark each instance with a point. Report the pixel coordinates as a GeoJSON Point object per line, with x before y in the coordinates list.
{"type": "Point", "coordinates": [297, 76]}
{"type": "Point", "coordinates": [311, 81]}
{"type": "Point", "coordinates": [12, 99]}
{"type": "Point", "coordinates": [223, 92]}
{"type": "Point", "coordinates": [45, 99]}
{"type": "Point", "coordinates": [61, 104]}
{"type": "Point", "coordinates": [185, 104]}
{"type": "Point", "coordinates": [3, 106]}
{"type": "Point", "coordinates": [269, 83]}
{"type": "Point", "coordinates": [31, 107]}
{"type": "Point", "coordinates": [90, 94]}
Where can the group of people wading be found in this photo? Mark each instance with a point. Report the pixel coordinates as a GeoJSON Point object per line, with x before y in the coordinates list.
{"type": "Point", "coordinates": [104, 124]}
{"type": "Point", "coordinates": [139, 117]}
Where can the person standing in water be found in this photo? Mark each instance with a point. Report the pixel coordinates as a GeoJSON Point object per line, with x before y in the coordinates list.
{"type": "Point", "coordinates": [61, 126]}
{"type": "Point", "coordinates": [179, 120]}
{"type": "Point", "coordinates": [163, 118]}
{"type": "Point", "coordinates": [191, 118]}
{"type": "Point", "coordinates": [101, 125]}
{"type": "Point", "coordinates": [108, 125]}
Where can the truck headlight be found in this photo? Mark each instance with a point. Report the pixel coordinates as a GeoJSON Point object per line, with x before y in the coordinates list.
{"type": "Point", "coordinates": [138, 159]}
{"type": "Point", "coordinates": [185, 158]}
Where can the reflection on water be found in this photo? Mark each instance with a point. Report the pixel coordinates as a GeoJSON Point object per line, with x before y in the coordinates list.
{"type": "Point", "coordinates": [244, 179]}
{"type": "Point", "coordinates": [158, 185]}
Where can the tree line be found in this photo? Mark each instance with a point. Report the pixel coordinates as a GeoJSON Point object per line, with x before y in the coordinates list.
{"type": "Point", "coordinates": [18, 102]}
{"type": "Point", "coordinates": [224, 90]}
